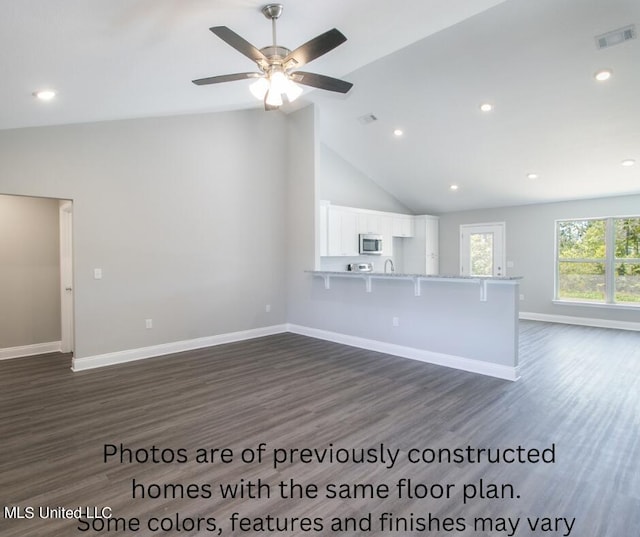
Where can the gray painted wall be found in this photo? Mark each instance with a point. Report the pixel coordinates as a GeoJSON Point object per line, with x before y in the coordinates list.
{"type": "Point", "coordinates": [302, 209]}
{"type": "Point", "coordinates": [530, 236]}
{"type": "Point", "coordinates": [342, 184]}
{"type": "Point", "coordinates": [29, 271]}
{"type": "Point", "coordinates": [185, 216]}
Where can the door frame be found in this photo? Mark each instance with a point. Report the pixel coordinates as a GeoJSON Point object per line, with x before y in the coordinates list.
{"type": "Point", "coordinates": [500, 262]}
{"type": "Point", "coordinates": [67, 332]}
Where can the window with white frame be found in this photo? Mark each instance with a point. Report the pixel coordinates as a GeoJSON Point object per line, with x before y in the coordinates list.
{"type": "Point", "coordinates": [598, 260]}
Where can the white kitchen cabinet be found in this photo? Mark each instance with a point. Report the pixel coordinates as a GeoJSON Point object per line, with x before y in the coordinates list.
{"type": "Point", "coordinates": [340, 227]}
{"type": "Point", "coordinates": [421, 253]}
{"type": "Point", "coordinates": [403, 225]}
{"type": "Point", "coordinates": [432, 252]}
{"type": "Point", "coordinates": [323, 232]}
{"type": "Point", "coordinates": [378, 223]}
{"type": "Point", "coordinates": [369, 221]}
{"type": "Point", "coordinates": [343, 231]}
{"type": "Point", "coordinates": [386, 230]}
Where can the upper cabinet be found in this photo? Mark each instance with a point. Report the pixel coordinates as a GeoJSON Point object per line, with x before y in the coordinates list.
{"type": "Point", "coordinates": [403, 225]}
{"type": "Point", "coordinates": [340, 227]}
{"type": "Point", "coordinates": [342, 235]}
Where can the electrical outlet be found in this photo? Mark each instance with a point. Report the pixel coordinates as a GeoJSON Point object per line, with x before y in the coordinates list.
{"type": "Point", "coordinates": [395, 321]}
{"type": "Point", "coordinates": [148, 323]}
{"type": "Point", "coordinates": [267, 308]}
{"type": "Point", "coordinates": [97, 273]}
{"type": "Point", "coordinates": [521, 297]}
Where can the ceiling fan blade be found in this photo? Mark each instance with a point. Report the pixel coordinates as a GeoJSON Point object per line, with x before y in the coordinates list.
{"type": "Point", "coordinates": [316, 47]}
{"type": "Point", "coordinates": [321, 81]}
{"type": "Point", "coordinates": [225, 78]}
{"type": "Point", "coordinates": [239, 43]}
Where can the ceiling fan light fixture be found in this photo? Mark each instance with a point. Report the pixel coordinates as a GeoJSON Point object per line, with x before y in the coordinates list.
{"type": "Point", "coordinates": [293, 90]}
{"type": "Point", "coordinates": [274, 99]}
{"type": "Point", "coordinates": [276, 80]}
{"type": "Point", "coordinates": [259, 88]}
{"type": "Point", "coordinates": [274, 87]}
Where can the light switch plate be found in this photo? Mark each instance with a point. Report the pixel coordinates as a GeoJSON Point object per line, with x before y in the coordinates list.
{"type": "Point", "coordinates": [97, 273]}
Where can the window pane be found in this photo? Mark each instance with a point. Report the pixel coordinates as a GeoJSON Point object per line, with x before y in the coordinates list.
{"type": "Point", "coordinates": [481, 252]}
{"type": "Point", "coordinates": [627, 282]}
{"type": "Point", "coordinates": [581, 281]}
{"type": "Point", "coordinates": [627, 238]}
{"type": "Point", "coordinates": [581, 239]}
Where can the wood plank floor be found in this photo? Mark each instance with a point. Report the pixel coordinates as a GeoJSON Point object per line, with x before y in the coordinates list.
{"type": "Point", "coordinates": [580, 390]}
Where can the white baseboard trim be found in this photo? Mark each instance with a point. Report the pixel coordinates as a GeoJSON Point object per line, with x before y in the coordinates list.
{"type": "Point", "coordinates": [582, 321]}
{"type": "Point", "coordinates": [120, 357]}
{"type": "Point", "coordinates": [30, 350]}
{"type": "Point", "coordinates": [448, 360]}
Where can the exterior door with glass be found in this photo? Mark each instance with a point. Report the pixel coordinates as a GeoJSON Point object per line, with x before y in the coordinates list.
{"type": "Point", "coordinates": [482, 249]}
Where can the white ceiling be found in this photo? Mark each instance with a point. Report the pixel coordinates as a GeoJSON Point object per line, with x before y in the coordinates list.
{"type": "Point", "coordinates": [421, 65]}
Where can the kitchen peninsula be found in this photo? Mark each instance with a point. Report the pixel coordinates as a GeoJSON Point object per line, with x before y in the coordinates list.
{"type": "Point", "coordinates": [468, 323]}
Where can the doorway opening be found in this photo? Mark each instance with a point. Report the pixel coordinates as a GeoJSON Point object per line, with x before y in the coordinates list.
{"type": "Point", "coordinates": [36, 276]}
{"type": "Point", "coordinates": [482, 249]}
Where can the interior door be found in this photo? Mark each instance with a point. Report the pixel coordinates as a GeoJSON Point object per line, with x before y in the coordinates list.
{"type": "Point", "coordinates": [482, 249]}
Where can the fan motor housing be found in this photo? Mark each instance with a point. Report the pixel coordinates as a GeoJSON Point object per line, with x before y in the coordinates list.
{"type": "Point", "coordinates": [275, 53]}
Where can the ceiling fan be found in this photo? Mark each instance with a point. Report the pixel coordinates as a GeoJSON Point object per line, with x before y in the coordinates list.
{"type": "Point", "coordinates": [278, 65]}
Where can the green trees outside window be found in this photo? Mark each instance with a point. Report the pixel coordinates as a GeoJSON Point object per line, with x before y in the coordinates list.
{"type": "Point", "coordinates": [598, 260]}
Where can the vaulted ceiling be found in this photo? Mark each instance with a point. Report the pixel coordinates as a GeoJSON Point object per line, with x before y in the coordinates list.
{"type": "Point", "coordinates": [423, 66]}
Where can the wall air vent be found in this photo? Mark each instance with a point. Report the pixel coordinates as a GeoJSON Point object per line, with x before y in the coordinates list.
{"type": "Point", "coordinates": [367, 118]}
{"type": "Point", "coordinates": [616, 36]}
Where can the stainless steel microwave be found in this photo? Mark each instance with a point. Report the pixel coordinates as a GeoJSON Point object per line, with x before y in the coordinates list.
{"type": "Point", "coordinates": [370, 244]}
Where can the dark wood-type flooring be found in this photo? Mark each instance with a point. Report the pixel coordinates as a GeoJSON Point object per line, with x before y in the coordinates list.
{"type": "Point", "coordinates": [580, 390]}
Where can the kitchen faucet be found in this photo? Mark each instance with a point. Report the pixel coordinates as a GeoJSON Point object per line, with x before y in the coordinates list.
{"type": "Point", "coordinates": [393, 269]}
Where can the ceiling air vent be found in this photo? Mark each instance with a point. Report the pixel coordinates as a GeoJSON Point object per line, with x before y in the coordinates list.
{"type": "Point", "coordinates": [616, 37]}
{"type": "Point", "coordinates": [367, 118]}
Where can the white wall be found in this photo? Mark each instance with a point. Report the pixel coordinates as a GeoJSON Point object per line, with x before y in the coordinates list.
{"type": "Point", "coordinates": [29, 271]}
{"type": "Point", "coordinates": [530, 246]}
{"type": "Point", "coordinates": [185, 216]}
{"type": "Point", "coordinates": [343, 184]}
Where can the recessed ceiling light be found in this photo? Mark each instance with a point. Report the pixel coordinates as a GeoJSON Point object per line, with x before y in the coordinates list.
{"type": "Point", "coordinates": [628, 162]}
{"type": "Point", "coordinates": [604, 74]}
{"type": "Point", "coordinates": [398, 132]}
{"type": "Point", "coordinates": [45, 95]}
{"type": "Point", "coordinates": [486, 107]}
{"type": "Point", "coordinates": [532, 176]}
{"type": "Point", "coordinates": [453, 187]}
